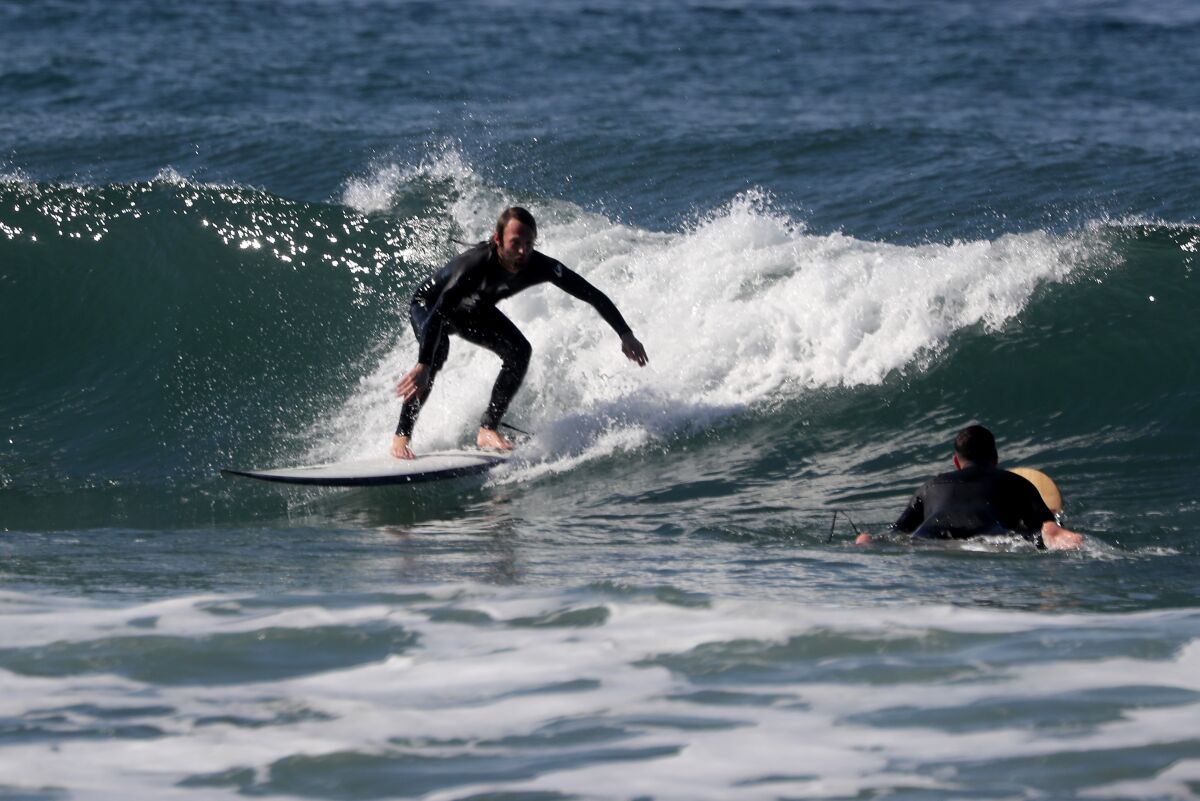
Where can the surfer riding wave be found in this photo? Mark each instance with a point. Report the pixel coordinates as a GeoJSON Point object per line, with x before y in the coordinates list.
{"type": "Point", "coordinates": [461, 299]}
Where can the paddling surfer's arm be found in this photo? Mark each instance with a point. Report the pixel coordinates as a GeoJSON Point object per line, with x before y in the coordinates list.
{"type": "Point", "coordinates": [577, 286]}
{"type": "Point", "coordinates": [1038, 517]}
{"type": "Point", "coordinates": [909, 521]}
{"type": "Point", "coordinates": [1058, 538]}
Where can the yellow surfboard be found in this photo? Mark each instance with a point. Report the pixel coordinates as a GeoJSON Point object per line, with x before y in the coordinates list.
{"type": "Point", "coordinates": [1045, 486]}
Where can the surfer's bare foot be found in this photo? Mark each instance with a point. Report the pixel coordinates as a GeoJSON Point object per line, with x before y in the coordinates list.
{"type": "Point", "coordinates": [400, 448]}
{"type": "Point", "coordinates": [493, 439]}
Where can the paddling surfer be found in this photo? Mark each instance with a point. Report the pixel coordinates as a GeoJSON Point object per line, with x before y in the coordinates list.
{"type": "Point", "coordinates": [461, 299]}
{"type": "Point", "coordinates": [978, 498]}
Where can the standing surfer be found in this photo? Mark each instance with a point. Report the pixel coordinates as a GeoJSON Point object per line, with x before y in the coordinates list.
{"type": "Point", "coordinates": [461, 299]}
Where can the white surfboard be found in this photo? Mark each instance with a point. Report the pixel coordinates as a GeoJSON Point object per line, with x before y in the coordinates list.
{"type": "Point", "coordinates": [382, 470]}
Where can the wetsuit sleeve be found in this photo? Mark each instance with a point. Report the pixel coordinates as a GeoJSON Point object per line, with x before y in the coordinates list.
{"type": "Point", "coordinates": [463, 275]}
{"type": "Point", "coordinates": [577, 286]}
{"type": "Point", "coordinates": [913, 516]}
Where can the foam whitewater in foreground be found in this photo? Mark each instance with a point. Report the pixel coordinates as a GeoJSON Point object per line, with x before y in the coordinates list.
{"type": "Point", "coordinates": [455, 692]}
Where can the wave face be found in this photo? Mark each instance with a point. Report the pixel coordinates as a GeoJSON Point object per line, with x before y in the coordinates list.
{"type": "Point", "coordinates": [161, 330]}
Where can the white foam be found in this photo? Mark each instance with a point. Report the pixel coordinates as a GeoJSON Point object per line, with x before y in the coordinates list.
{"type": "Point", "coordinates": [377, 190]}
{"type": "Point", "coordinates": [373, 193]}
{"type": "Point", "coordinates": [171, 176]}
{"type": "Point", "coordinates": [743, 307]}
{"type": "Point", "coordinates": [467, 683]}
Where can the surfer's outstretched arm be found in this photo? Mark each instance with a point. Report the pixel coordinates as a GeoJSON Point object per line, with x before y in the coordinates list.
{"type": "Point", "coordinates": [577, 286]}
{"type": "Point", "coordinates": [633, 350]}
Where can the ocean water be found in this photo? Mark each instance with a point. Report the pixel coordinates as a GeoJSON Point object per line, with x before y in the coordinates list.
{"type": "Point", "coordinates": [843, 230]}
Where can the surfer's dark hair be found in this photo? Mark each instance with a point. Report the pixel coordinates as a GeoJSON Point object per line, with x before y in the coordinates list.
{"type": "Point", "coordinates": [515, 213]}
{"type": "Point", "coordinates": [976, 444]}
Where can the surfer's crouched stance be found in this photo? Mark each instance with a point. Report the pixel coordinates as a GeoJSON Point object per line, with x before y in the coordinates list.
{"type": "Point", "coordinates": [978, 498]}
{"type": "Point", "coordinates": [461, 299]}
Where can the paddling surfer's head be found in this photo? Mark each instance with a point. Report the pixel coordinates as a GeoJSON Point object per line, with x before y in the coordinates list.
{"type": "Point", "coordinates": [975, 445]}
{"type": "Point", "coordinates": [516, 231]}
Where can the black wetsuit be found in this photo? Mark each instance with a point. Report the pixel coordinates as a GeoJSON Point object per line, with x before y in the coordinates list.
{"type": "Point", "coordinates": [461, 299]}
{"type": "Point", "coordinates": [973, 501]}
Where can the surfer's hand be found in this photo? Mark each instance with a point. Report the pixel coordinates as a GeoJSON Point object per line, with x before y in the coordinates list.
{"type": "Point", "coordinates": [633, 350]}
{"type": "Point", "coordinates": [1058, 538]}
{"type": "Point", "coordinates": [413, 383]}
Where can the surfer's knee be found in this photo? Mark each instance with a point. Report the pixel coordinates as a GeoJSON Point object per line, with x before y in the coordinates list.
{"type": "Point", "coordinates": [518, 353]}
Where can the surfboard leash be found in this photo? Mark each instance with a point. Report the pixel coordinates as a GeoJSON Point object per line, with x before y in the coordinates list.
{"type": "Point", "coordinates": [514, 428]}
{"type": "Point", "coordinates": [833, 523]}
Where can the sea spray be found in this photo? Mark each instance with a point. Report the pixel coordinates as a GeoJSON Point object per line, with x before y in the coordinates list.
{"type": "Point", "coordinates": [741, 308]}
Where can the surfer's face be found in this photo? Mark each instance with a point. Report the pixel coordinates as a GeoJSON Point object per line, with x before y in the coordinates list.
{"type": "Point", "coordinates": [515, 246]}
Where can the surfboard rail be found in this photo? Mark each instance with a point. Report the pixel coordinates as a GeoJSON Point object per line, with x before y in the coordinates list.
{"type": "Point", "coordinates": [382, 471]}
